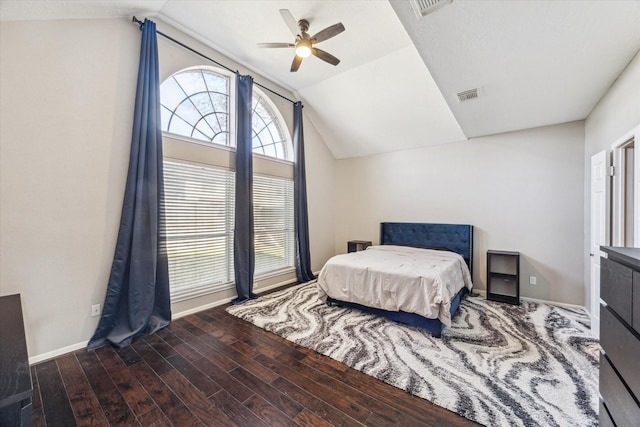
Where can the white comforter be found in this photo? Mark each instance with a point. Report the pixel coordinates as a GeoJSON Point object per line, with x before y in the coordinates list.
{"type": "Point", "coordinates": [397, 278]}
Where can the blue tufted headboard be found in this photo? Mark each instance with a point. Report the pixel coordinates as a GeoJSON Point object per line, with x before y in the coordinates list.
{"type": "Point", "coordinates": [457, 238]}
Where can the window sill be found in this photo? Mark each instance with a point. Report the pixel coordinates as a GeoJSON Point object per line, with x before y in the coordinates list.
{"type": "Point", "coordinates": [218, 287]}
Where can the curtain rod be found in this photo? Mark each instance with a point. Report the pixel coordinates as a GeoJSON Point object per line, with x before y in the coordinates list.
{"type": "Point", "coordinates": [140, 23]}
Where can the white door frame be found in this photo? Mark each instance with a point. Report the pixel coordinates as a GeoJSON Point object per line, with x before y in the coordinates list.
{"type": "Point", "coordinates": [599, 230]}
{"type": "Point", "coordinates": [618, 191]}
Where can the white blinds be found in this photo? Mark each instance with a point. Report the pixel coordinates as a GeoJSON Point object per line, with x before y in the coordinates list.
{"type": "Point", "coordinates": [273, 223]}
{"type": "Point", "coordinates": [199, 218]}
{"type": "Point", "coordinates": [198, 226]}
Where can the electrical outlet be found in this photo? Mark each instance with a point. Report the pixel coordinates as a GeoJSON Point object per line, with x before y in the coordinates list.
{"type": "Point", "coordinates": [95, 310]}
{"type": "Point", "coordinates": [532, 280]}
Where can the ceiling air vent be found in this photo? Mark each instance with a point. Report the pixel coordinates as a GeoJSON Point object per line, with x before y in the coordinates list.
{"type": "Point", "coordinates": [467, 95]}
{"type": "Point", "coordinates": [425, 7]}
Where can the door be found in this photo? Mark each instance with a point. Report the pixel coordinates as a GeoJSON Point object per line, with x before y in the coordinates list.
{"type": "Point", "coordinates": [625, 196]}
{"type": "Point", "coordinates": [599, 231]}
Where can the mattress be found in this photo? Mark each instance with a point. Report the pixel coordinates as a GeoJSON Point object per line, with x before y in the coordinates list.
{"type": "Point", "coordinates": [397, 278]}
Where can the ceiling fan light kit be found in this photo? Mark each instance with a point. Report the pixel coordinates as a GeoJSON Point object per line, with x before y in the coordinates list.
{"type": "Point", "coordinates": [303, 48]}
{"type": "Point", "coordinates": [304, 43]}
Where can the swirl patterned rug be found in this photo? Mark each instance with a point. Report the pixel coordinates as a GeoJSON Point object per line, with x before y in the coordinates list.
{"type": "Point", "coordinates": [499, 365]}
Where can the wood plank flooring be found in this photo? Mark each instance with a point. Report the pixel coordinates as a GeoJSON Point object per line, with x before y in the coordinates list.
{"type": "Point", "coordinates": [213, 369]}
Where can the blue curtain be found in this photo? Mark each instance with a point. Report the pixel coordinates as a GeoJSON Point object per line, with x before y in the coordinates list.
{"type": "Point", "coordinates": [137, 302]}
{"type": "Point", "coordinates": [301, 218]}
{"type": "Point", "coordinates": [243, 245]}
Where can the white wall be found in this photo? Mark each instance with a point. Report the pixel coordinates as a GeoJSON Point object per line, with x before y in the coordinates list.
{"type": "Point", "coordinates": [615, 114]}
{"type": "Point", "coordinates": [522, 191]}
{"type": "Point", "coordinates": [66, 108]}
{"type": "Point", "coordinates": [66, 113]}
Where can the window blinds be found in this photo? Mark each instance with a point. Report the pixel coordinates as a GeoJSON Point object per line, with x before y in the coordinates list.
{"type": "Point", "coordinates": [199, 209]}
{"type": "Point", "coordinates": [198, 226]}
{"type": "Point", "coordinates": [273, 223]}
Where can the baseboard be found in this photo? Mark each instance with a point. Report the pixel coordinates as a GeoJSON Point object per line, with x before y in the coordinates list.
{"type": "Point", "coordinates": [483, 294]}
{"type": "Point", "coordinates": [559, 304]}
{"type": "Point", "coordinates": [58, 352]}
{"type": "Point", "coordinates": [73, 347]}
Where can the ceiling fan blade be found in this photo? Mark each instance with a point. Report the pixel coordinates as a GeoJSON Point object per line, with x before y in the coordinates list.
{"type": "Point", "coordinates": [276, 45]}
{"type": "Point", "coordinates": [325, 56]}
{"type": "Point", "coordinates": [328, 32]}
{"type": "Point", "coordinates": [290, 21]}
{"type": "Point", "coordinates": [297, 60]}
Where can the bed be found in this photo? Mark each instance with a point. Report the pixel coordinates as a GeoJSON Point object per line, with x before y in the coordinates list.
{"type": "Point", "coordinates": [392, 279]}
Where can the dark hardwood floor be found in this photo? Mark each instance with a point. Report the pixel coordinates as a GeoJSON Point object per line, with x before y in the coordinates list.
{"type": "Point", "coordinates": [213, 369]}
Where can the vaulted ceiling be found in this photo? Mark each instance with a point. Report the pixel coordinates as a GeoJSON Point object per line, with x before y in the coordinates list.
{"type": "Point", "coordinates": [534, 63]}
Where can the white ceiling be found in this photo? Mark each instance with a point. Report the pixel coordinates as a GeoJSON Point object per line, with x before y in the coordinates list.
{"type": "Point", "coordinates": [535, 62]}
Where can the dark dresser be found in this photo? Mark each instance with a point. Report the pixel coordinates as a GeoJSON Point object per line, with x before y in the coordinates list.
{"type": "Point", "coordinates": [15, 375]}
{"type": "Point", "coordinates": [620, 337]}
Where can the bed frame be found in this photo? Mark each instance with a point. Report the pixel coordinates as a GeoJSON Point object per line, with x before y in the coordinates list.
{"type": "Point", "coordinates": [456, 238]}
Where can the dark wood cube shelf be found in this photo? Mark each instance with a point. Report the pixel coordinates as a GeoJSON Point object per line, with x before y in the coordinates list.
{"type": "Point", "coordinates": [358, 245]}
{"type": "Point", "coordinates": [503, 276]}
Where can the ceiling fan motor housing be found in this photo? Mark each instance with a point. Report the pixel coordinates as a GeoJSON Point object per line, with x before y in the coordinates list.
{"type": "Point", "coordinates": [304, 25]}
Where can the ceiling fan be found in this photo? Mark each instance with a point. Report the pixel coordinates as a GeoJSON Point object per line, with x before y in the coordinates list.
{"type": "Point", "coordinates": [304, 44]}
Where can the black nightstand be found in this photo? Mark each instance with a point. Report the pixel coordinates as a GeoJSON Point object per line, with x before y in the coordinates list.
{"type": "Point", "coordinates": [503, 276]}
{"type": "Point", "coordinates": [357, 245]}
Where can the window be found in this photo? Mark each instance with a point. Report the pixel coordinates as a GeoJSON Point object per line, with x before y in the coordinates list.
{"type": "Point", "coordinates": [273, 223]}
{"type": "Point", "coordinates": [198, 226]}
{"type": "Point", "coordinates": [195, 104]}
{"type": "Point", "coordinates": [200, 189]}
{"type": "Point", "coordinates": [268, 138]}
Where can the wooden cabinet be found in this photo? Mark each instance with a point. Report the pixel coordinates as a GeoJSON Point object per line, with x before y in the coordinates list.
{"type": "Point", "coordinates": [357, 245]}
{"type": "Point", "coordinates": [503, 276]}
{"type": "Point", "coordinates": [620, 336]}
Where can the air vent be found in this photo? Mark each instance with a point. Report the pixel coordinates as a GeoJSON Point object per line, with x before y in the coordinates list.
{"type": "Point", "coordinates": [467, 95]}
{"type": "Point", "coordinates": [425, 7]}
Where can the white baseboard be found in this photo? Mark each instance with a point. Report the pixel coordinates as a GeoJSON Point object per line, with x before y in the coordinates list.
{"type": "Point", "coordinates": [73, 347]}
{"type": "Point", "coordinates": [559, 304]}
{"type": "Point", "coordinates": [58, 352]}
{"type": "Point", "coordinates": [483, 294]}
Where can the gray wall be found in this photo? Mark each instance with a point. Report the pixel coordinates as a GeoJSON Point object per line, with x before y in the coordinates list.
{"type": "Point", "coordinates": [615, 114]}
{"type": "Point", "coordinates": [522, 191]}
{"type": "Point", "coordinates": [66, 111]}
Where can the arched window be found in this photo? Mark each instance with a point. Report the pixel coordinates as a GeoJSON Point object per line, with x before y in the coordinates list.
{"type": "Point", "coordinates": [267, 135]}
{"type": "Point", "coordinates": [195, 103]}
{"type": "Point", "coordinates": [199, 181]}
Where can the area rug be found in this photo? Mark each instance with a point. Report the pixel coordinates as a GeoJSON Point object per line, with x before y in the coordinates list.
{"type": "Point", "coordinates": [498, 364]}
